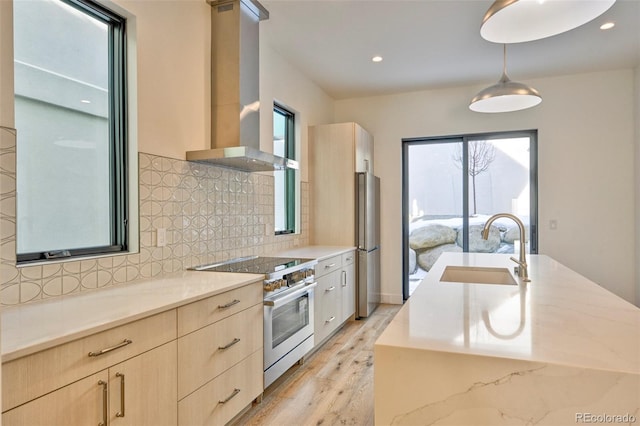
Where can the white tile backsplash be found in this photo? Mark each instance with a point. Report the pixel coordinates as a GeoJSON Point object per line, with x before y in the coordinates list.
{"type": "Point", "coordinates": [210, 214]}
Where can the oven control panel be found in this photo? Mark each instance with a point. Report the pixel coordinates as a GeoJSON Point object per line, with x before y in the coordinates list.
{"type": "Point", "coordinates": [290, 279]}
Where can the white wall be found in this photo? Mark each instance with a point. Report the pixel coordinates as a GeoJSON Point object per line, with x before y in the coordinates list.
{"type": "Point", "coordinates": [281, 82]}
{"type": "Point", "coordinates": [173, 88]}
{"type": "Point", "coordinates": [586, 166]}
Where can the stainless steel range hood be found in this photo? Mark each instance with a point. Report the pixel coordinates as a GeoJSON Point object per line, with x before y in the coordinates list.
{"type": "Point", "coordinates": [235, 100]}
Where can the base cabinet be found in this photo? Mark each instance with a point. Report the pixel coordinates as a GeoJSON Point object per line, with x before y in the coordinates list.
{"type": "Point", "coordinates": [348, 286]}
{"type": "Point", "coordinates": [199, 364]}
{"type": "Point", "coordinates": [224, 397]}
{"type": "Point", "coordinates": [80, 403]}
{"type": "Point", "coordinates": [335, 296]}
{"type": "Point", "coordinates": [139, 391]}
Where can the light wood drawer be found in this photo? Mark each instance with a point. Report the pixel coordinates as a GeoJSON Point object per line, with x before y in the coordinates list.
{"type": "Point", "coordinates": [200, 357]}
{"type": "Point", "coordinates": [329, 265]}
{"type": "Point", "coordinates": [203, 407]}
{"type": "Point", "coordinates": [204, 312]}
{"type": "Point", "coordinates": [34, 375]}
{"type": "Point", "coordinates": [348, 258]}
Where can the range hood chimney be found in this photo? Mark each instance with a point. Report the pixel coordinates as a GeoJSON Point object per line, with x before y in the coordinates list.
{"type": "Point", "coordinates": [235, 100]}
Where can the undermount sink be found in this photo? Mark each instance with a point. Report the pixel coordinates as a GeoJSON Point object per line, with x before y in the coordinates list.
{"type": "Point", "coordinates": [477, 275]}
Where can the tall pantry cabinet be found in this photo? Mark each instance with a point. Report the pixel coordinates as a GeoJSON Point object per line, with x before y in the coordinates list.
{"type": "Point", "coordinates": [336, 153]}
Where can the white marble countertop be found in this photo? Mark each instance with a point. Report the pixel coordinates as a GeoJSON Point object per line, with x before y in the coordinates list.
{"type": "Point", "coordinates": [315, 252]}
{"type": "Point", "coordinates": [560, 317]}
{"type": "Point", "coordinates": [37, 326]}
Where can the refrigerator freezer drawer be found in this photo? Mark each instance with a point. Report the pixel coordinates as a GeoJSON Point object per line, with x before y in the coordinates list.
{"type": "Point", "coordinates": [368, 288]}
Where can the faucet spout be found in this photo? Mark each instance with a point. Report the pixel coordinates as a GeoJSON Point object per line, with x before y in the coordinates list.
{"type": "Point", "coordinates": [521, 269]}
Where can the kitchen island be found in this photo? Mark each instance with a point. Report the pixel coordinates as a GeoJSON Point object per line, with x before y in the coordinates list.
{"type": "Point", "coordinates": [559, 350]}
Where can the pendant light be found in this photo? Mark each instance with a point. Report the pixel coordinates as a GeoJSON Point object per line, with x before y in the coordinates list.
{"type": "Point", "coordinates": [515, 21]}
{"type": "Point", "coordinates": [505, 95]}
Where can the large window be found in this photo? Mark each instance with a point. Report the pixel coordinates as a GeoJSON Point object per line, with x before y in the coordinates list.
{"type": "Point", "coordinates": [70, 115]}
{"type": "Point", "coordinates": [452, 185]}
{"type": "Point", "coordinates": [284, 180]}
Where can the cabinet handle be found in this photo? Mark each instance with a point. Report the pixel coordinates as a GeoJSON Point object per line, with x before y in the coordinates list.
{"type": "Point", "coordinates": [227, 399]}
{"type": "Point", "coordinates": [344, 278]}
{"type": "Point", "coordinates": [121, 412]}
{"type": "Point", "coordinates": [329, 320]}
{"type": "Point", "coordinates": [349, 259]}
{"type": "Point", "coordinates": [329, 266]}
{"type": "Point", "coordinates": [105, 401]}
{"type": "Point", "coordinates": [230, 304]}
{"type": "Point", "coordinates": [330, 289]}
{"type": "Point", "coordinates": [125, 342]}
{"type": "Point", "coordinates": [228, 345]}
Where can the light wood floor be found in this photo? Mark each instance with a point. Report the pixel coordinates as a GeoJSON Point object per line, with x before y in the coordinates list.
{"type": "Point", "coordinates": [334, 386]}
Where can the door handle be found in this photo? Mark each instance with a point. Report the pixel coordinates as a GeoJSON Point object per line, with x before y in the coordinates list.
{"type": "Point", "coordinates": [124, 343]}
{"type": "Point", "coordinates": [121, 412]}
{"type": "Point", "coordinates": [105, 402]}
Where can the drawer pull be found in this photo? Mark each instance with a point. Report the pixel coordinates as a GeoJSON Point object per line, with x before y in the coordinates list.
{"type": "Point", "coordinates": [329, 266]}
{"type": "Point", "coordinates": [227, 399]}
{"type": "Point", "coordinates": [228, 345]}
{"type": "Point", "coordinates": [349, 259]}
{"type": "Point", "coordinates": [330, 288]}
{"type": "Point", "coordinates": [105, 401]}
{"type": "Point", "coordinates": [124, 343]}
{"type": "Point", "coordinates": [330, 320]}
{"type": "Point", "coordinates": [121, 412]}
{"type": "Point", "coordinates": [230, 304]}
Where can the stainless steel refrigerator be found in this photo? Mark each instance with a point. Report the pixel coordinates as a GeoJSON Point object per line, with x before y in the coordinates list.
{"type": "Point", "coordinates": [368, 243]}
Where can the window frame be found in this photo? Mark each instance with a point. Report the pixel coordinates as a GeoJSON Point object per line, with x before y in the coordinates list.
{"type": "Point", "coordinates": [465, 139]}
{"type": "Point", "coordinates": [290, 176]}
{"type": "Point", "coordinates": [118, 138]}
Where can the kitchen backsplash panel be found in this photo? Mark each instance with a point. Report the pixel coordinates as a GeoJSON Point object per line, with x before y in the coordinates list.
{"type": "Point", "coordinates": [210, 214]}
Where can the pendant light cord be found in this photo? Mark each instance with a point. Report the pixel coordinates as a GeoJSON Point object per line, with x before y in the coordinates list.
{"type": "Point", "coordinates": [505, 77]}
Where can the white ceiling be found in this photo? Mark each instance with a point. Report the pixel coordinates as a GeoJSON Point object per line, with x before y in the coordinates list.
{"type": "Point", "coordinates": [429, 44]}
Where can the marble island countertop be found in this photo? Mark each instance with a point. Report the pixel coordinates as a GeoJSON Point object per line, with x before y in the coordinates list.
{"type": "Point", "coordinates": [551, 348]}
{"type": "Point", "coordinates": [558, 317]}
{"type": "Point", "coordinates": [37, 326]}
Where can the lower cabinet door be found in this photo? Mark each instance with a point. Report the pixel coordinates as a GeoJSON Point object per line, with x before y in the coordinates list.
{"type": "Point", "coordinates": [328, 305]}
{"type": "Point", "coordinates": [140, 391]}
{"type": "Point", "coordinates": [221, 399]}
{"type": "Point", "coordinates": [81, 403]}
{"type": "Point", "coordinates": [143, 390]}
{"type": "Point", "coordinates": [348, 291]}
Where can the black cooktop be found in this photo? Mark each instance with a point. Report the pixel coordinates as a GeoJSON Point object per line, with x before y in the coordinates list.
{"type": "Point", "coordinates": [256, 265]}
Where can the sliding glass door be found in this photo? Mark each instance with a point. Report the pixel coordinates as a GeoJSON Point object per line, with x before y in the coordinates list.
{"type": "Point", "coordinates": [452, 185]}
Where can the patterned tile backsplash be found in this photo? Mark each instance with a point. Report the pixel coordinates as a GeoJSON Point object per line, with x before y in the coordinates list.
{"type": "Point", "coordinates": [210, 214]}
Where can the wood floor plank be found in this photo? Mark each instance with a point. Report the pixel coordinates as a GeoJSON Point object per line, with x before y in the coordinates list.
{"type": "Point", "coordinates": [334, 386]}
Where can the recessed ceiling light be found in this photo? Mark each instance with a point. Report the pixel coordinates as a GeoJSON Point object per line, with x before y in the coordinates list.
{"type": "Point", "coordinates": [85, 101]}
{"type": "Point", "coordinates": [607, 25]}
{"type": "Point", "coordinates": [377, 58]}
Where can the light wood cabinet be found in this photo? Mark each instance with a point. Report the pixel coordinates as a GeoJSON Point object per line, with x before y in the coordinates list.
{"type": "Point", "coordinates": [334, 300]}
{"type": "Point", "coordinates": [220, 360]}
{"type": "Point", "coordinates": [221, 399]}
{"type": "Point", "coordinates": [80, 403]}
{"type": "Point", "coordinates": [143, 389]}
{"type": "Point", "coordinates": [139, 391]}
{"type": "Point", "coordinates": [348, 285]}
{"type": "Point", "coordinates": [328, 306]}
{"type": "Point", "coordinates": [200, 363]}
{"type": "Point", "coordinates": [32, 376]}
{"type": "Point", "coordinates": [336, 153]}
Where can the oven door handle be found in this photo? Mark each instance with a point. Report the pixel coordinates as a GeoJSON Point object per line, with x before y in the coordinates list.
{"type": "Point", "coordinates": [276, 303]}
